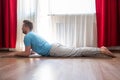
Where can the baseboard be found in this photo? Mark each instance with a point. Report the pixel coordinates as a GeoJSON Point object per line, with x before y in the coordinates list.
{"type": "Point", "coordinates": [7, 49]}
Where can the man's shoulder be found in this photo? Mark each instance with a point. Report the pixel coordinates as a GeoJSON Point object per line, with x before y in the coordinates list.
{"type": "Point", "coordinates": [29, 34]}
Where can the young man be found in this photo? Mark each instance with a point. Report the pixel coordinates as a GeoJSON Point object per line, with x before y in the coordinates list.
{"type": "Point", "coordinates": [42, 47]}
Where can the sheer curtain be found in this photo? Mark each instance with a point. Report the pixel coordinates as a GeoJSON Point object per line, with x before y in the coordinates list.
{"type": "Point", "coordinates": [75, 30]}
{"type": "Point", "coordinates": [74, 22]}
{"type": "Point", "coordinates": [73, 25]}
{"type": "Point", "coordinates": [37, 12]}
{"type": "Point", "coordinates": [67, 7]}
{"type": "Point", "coordinates": [43, 21]}
{"type": "Point", "coordinates": [26, 9]}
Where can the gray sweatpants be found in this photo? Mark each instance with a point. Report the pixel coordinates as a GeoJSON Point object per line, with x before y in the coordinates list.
{"type": "Point", "coordinates": [60, 50]}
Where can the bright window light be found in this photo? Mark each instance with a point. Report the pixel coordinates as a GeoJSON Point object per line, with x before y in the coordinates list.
{"type": "Point", "coordinates": [71, 6]}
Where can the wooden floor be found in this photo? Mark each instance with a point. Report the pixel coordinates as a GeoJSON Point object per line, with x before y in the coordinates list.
{"type": "Point", "coordinates": [47, 68]}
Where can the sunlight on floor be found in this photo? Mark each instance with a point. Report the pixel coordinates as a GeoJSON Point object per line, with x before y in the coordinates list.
{"type": "Point", "coordinates": [44, 72]}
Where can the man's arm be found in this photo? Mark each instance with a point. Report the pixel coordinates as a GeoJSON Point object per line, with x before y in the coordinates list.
{"type": "Point", "coordinates": [25, 53]}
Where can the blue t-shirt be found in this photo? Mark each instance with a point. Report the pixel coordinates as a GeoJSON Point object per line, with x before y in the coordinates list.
{"type": "Point", "coordinates": [38, 44]}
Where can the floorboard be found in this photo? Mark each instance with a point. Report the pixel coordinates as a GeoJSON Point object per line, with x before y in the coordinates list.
{"type": "Point", "coordinates": [49, 68]}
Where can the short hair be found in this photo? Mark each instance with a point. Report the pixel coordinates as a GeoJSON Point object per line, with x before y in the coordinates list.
{"type": "Point", "coordinates": [28, 24]}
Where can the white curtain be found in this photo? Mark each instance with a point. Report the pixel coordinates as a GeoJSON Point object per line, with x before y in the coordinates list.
{"type": "Point", "coordinates": [26, 10]}
{"type": "Point", "coordinates": [67, 7]}
{"type": "Point", "coordinates": [75, 30]}
{"type": "Point", "coordinates": [74, 22]}
{"type": "Point", "coordinates": [72, 30]}
{"type": "Point", "coordinates": [43, 21]}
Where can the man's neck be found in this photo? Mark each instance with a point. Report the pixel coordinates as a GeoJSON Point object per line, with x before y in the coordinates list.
{"type": "Point", "coordinates": [27, 32]}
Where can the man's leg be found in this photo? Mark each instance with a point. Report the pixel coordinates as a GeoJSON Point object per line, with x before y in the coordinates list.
{"type": "Point", "coordinates": [60, 50]}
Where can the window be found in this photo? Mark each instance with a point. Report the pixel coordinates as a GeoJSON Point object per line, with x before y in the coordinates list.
{"type": "Point", "coordinates": [71, 6]}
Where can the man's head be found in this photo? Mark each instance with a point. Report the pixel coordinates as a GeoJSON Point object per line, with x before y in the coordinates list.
{"type": "Point", "coordinates": [27, 26]}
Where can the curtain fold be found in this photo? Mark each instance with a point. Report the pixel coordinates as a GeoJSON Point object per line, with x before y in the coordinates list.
{"type": "Point", "coordinates": [26, 10]}
{"type": "Point", "coordinates": [108, 22]}
{"type": "Point", "coordinates": [78, 30]}
{"type": "Point", "coordinates": [75, 30]}
{"type": "Point", "coordinates": [8, 23]}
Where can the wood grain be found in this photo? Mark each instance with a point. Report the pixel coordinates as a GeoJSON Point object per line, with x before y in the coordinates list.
{"type": "Point", "coordinates": [49, 68]}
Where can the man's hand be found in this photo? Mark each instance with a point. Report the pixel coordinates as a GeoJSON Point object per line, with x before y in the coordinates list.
{"type": "Point", "coordinates": [22, 54]}
{"type": "Point", "coordinates": [8, 55]}
{"type": "Point", "coordinates": [12, 54]}
{"type": "Point", "coordinates": [25, 53]}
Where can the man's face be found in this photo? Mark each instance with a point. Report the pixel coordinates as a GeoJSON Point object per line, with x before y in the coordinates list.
{"type": "Point", "coordinates": [24, 29]}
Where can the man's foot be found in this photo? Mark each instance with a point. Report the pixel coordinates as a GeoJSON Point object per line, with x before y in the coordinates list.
{"type": "Point", "coordinates": [107, 52]}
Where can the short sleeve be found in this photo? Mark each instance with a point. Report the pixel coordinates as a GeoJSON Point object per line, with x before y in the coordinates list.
{"type": "Point", "coordinates": [27, 41]}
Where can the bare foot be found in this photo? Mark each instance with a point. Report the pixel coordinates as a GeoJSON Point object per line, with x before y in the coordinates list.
{"type": "Point", "coordinates": [107, 52]}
